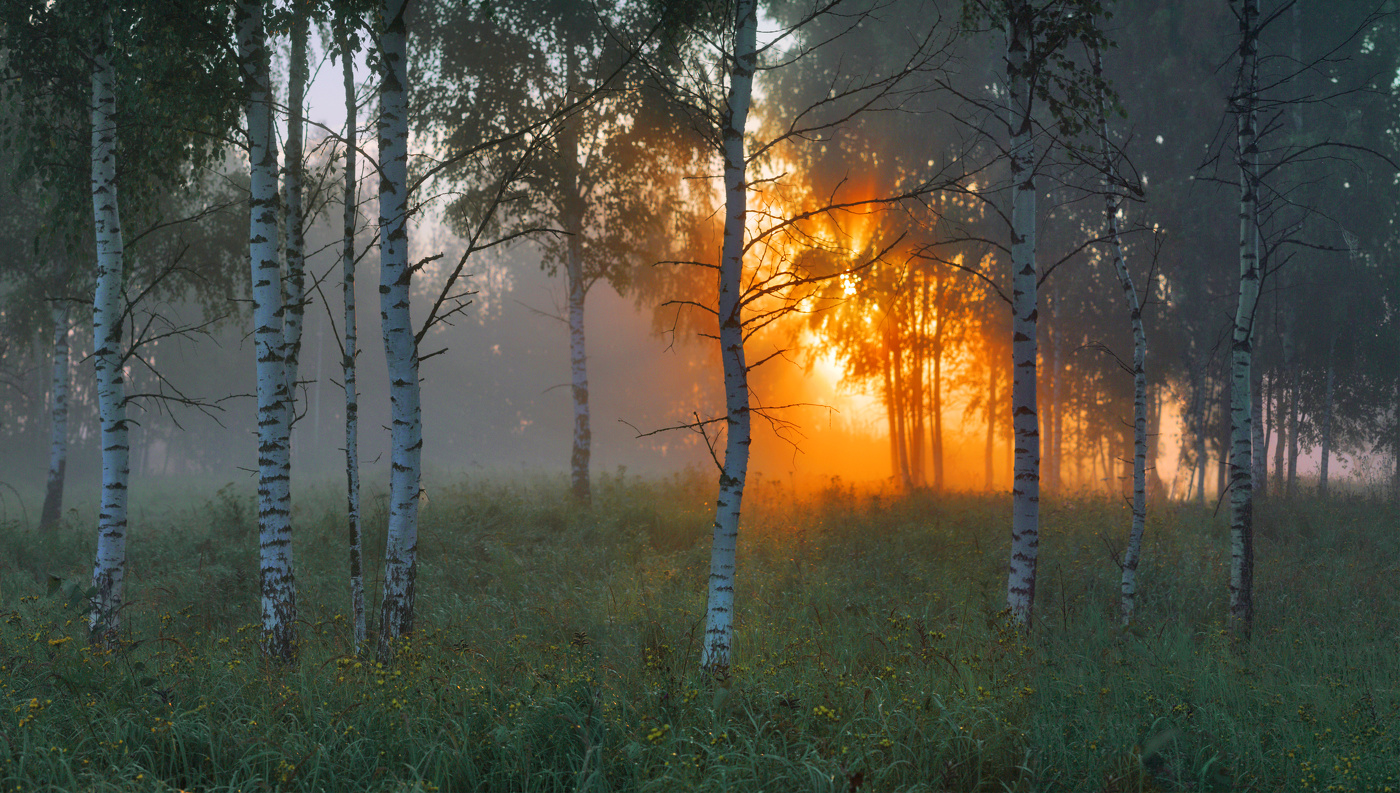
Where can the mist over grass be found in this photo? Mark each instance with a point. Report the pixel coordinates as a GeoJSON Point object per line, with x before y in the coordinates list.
{"type": "Point", "coordinates": [557, 650]}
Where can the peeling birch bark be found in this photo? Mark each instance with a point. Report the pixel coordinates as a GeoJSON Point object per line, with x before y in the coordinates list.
{"type": "Point", "coordinates": [109, 569]}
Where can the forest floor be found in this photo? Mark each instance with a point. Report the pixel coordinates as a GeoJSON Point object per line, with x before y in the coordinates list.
{"type": "Point", "coordinates": [556, 650]}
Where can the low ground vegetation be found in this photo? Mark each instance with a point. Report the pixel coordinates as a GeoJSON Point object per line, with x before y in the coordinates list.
{"type": "Point", "coordinates": [557, 651]}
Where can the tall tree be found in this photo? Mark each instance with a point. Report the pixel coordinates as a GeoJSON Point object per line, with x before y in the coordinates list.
{"type": "Point", "coordinates": [109, 571]}
{"type": "Point", "coordinates": [1243, 106]}
{"type": "Point", "coordinates": [278, 585]}
{"type": "Point", "coordinates": [345, 24]}
{"type": "Point", "coordinates": [400, 342]}
{"type": "Point", "coordinates": [1112, 203]}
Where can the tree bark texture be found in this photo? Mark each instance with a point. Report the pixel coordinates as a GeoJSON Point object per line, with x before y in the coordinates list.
{"type": "Point", "coordinates": [1025, 516]}
{"type": "Point", "coordinates": [294, 290]}
{"type": "Point", "coordinates": [1128, 585]}
{"type": "Point", "coordinates": [719, 613]}
{"type": "Point", "coordinates": [58, 419]}
{"type": "Point", "coordinates": [279, 611]}
{"type": "Point", "coordinates": [1241, 608]}
{"type": "Point", "coordinates": [400, 347]}
{"type": "Point", "coordinates": [347, 363]}
{"type": "Point", "coordinates": [109, 569]}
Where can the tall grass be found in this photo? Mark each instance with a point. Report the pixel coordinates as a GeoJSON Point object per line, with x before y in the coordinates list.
{"type": "Point", "coordinates": [557, 651]}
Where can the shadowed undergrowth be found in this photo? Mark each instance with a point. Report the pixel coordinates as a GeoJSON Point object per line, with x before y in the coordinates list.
{"type": "Point", "coordinates": [557, 651]}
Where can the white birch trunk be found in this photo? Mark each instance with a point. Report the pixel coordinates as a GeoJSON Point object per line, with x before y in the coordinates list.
{"type": "Point", "coordinates": [1327, 417]}
{"type": "Point", "coordinates": [58, 419]}
{"type": "Point", "coordinates": [109, 569]}
{"type": "Point", "coordinates": [1128, 585]}
{"type": "Point", "coordinates": [274, 496]}
{"type": "Point", "coordinates": [1259, 458]}
{"type": "Point", "coordinates": [1241, 609]}
{"type": "Point", "coordinates": [400, 347]}
{"type": "Point", "coordinates": [347, 363]}
{"type": "Point", "coordinates": [1025, 492]}
{"type": "Point", "coordinates": [294, 290]}
{"type": "Point", "coordinates": [719, 612]}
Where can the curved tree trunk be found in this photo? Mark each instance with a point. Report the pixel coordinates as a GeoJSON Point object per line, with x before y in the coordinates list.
{"type": "Point", "coordinates": [1025, 492]}
{"type": "Point", "coordinates": [279, 609]}
{"type": "Point", "coordinates": [1241, 610]}
{"type": "Point", "coordinates": [109, 570]}
{"type": "Point", "coordinates": [400, 347]}
{"type": "Point", "coordinates": [719, 611]}
{"type": "Point", "coordinates": [58, 419]}
{"type": "Point", "coordinates": [1128, 585]}
{"type": "Point", "coordinates": [347, 361]}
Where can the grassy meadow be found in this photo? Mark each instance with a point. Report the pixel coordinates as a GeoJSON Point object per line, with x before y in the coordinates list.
{"type": "Point", "coordinates": [556, 650]}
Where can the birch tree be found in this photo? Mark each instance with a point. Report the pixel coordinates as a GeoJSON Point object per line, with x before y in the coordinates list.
{"type": "Point", "coordinates": [1242, 106]}
{"type": "Point", "coordinates": [109, 571]}
{"type": "Point", "coordinates": [400, 343]}
{"type": "Point", "coordinates": [279, 610]}
{"type": "Point", "coordinates": [345, 41]}
{"type": "Point", "coordinates": [1043, 95]}
{"type": "Point", "coordinates": [293, 178]}
{"type": "Point", "coordinates": [709, 68]}
{"type": "Point", "coordinates": [1112, 202]}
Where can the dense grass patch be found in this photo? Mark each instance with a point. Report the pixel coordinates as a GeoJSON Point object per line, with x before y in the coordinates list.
{"type": "Point", "coordinates": [557, 651]}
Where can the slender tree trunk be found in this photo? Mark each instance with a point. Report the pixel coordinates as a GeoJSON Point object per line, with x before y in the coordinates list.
{"type": "Point", "coordinates": [993, 404]}
{"type": "Point", "coordinates": [1327, 417]}
{"type": "Point", "coordinates": [936, 411]}
{"type": "Point", "coordinates": [900, 412]}
{"type": "Point", "coordinates": [578, 290]}
{"type": "Point", "coordinates": [1057, 397]}
{"type": "Point", "coordinates": [1258, 457]}
{"type": "Point", "coordinates": [279, 610]}
{"type": "Point", "coordinates": [916, 371]}
{"type": "Point", "coordinates": [1128, 585]}
{"type": "Point", "coordinates": [1241, 611]}
{"type": "Point", "coordinates": [1293, 428]}
{"type": "Point", "coordinates": [400, 346]}
{"type": "Point", "coordinates": [885, 367]}
{"type": "Point", "coordinates": [1025, 514]}
{"type": "Point", "coordinates": [58, 419]}
{"type": "Point", "coordinates": [1280, 422]}
{"type": "Point", "coordinates": [109, 570]}
{"type": "Point", "coordinates": [294, 290]}
{"type": "Point", "coordinates": [1048, 407]}
{"type": "Point", "coordinates": [1265, 417]}
{"type": "Point", "coordinates": [1198, 415]}
{"type": "Point", "coordinates": [719, 612]}
{"type": "Point", "coordinates": [347, 361]}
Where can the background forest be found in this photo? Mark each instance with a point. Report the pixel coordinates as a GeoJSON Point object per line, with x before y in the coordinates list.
{"type": "Point", "coordinates": [686, 362]}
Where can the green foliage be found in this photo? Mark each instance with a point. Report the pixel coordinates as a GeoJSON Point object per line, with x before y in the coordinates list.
{"type": "Point", "coordinates": [559, 650]}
